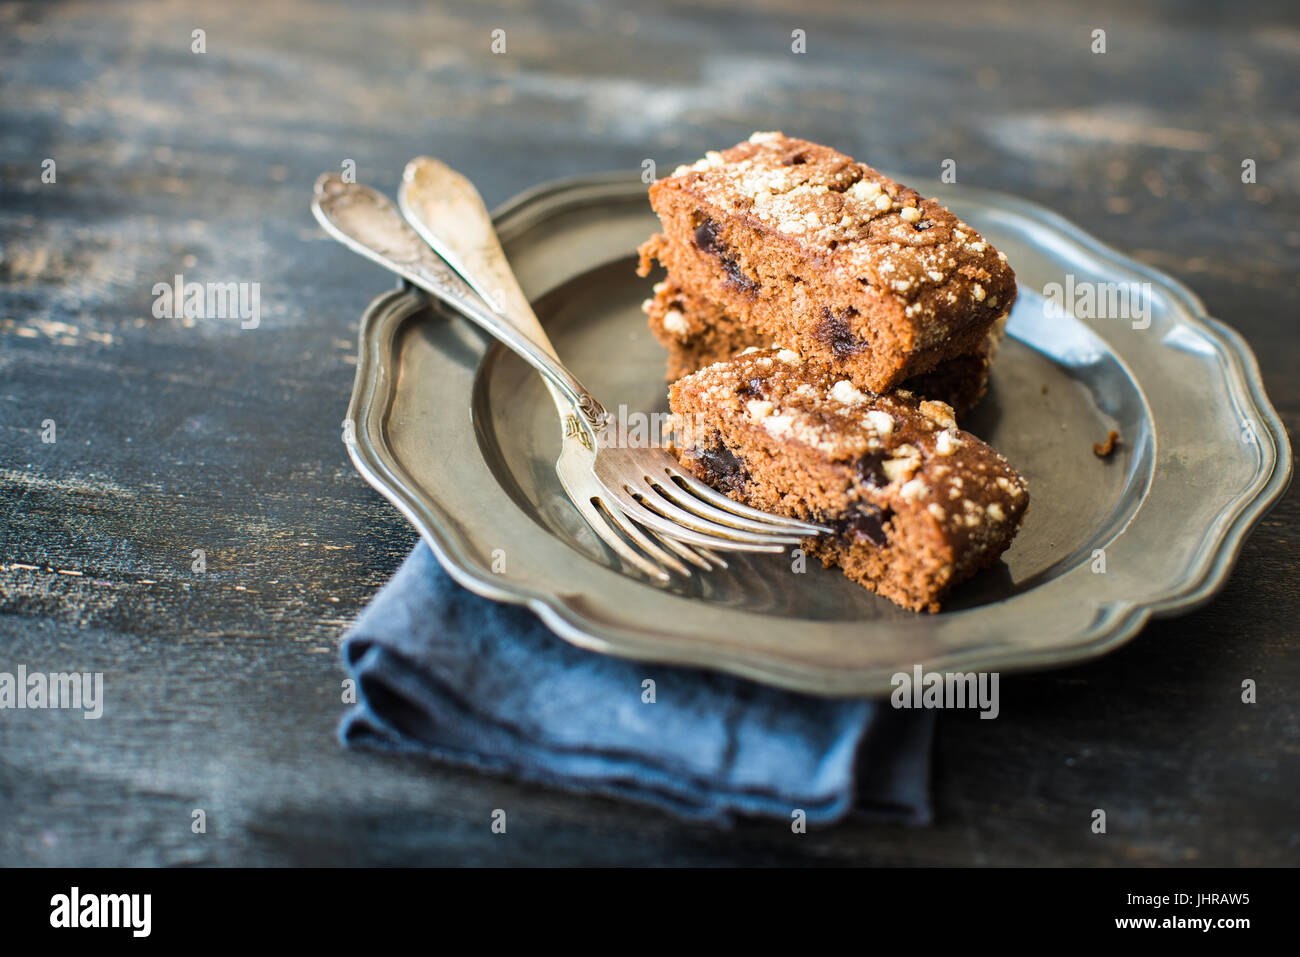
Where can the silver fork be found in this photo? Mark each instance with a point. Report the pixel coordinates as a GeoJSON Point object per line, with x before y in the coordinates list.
{"type": "Point", "coordinates": [647, 484]}
{"type": "Point", "coordinates": [449, 214]}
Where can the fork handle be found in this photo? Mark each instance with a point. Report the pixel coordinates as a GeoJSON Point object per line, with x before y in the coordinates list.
{"type": "Point", "coordinates": [445, 208]}
{"type": "Point", "coordinates": [364, 220]}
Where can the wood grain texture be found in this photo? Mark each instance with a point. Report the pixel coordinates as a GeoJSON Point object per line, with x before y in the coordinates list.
{"type": "Point", "coordinates": [223, 687]}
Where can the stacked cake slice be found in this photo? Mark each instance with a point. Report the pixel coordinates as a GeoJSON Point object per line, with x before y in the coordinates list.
{"type": "Point", "coordinates": [822, 324]}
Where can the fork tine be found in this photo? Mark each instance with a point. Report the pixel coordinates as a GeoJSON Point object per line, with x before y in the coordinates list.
{"type": "Point", "coordinates": [700, 557]}
{"type": "Point", "coordinates": [712, 556]}
{"type": "Point", "coordinates": [665, 506]}
{"type": "Point", "coordinates": [661, 516]}
{"type": "Point", "coordinates": [670, 529]}
{"type": "Point", "coordinates": [686, 500]}
{"type": "Point", "coordinates": [629, 528]}
{"type": "Point", "coordinates": [600, 521]}
{"type": "Point", "coordinates": [712, 495]}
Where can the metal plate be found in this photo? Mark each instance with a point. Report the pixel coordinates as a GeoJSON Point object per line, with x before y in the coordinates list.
{"type": "Point", "coordinates": [461, 436]}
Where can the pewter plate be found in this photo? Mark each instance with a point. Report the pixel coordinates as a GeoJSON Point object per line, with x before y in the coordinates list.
{"type": "Point", "coordinates": [461, 436]}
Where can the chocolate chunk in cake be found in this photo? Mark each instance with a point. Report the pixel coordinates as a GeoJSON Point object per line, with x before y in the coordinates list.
{"type": "Point", "coordinates": [916, 504]}
{"type": "Point", "coordinates": [805, 246]}
{"type": "Point", "coordinates": [698, 333]}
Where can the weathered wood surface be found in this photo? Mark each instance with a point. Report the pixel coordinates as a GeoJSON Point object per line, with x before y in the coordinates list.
{"type": "Point", "coordinates": [173, 435]}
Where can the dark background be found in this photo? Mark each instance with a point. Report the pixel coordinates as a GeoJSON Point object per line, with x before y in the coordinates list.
{"type": "Point", "coordinates": [223, 688]}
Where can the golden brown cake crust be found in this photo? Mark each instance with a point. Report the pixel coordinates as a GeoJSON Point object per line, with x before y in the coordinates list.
{"type": "Point", "coordinates": [802, 244]}
{"type": "Point", "coordinates": [917, 504]}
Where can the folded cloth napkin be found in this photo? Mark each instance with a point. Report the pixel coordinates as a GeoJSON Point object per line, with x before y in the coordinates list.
{"type": "Point", "coordinates": [445, 673]}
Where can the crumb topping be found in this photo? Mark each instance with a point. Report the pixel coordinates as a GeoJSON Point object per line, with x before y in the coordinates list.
{"type": "Point", "coordinates": [897, 450]}
{"type": "Point", "coordinates": [947, 443]}
{"type": "Point", "coordinates": [676, 323]}
{"type": "Point", "coordinates": [880, 232]}
{"type": "Point", "coordinates": [846, 393]}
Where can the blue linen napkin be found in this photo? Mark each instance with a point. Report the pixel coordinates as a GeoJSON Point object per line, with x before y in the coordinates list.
{"type": "Point", "coordinates": [445, 673]}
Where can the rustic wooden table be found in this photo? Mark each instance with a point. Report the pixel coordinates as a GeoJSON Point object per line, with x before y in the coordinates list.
{"type": "Point", "coordinates": [174, 435]}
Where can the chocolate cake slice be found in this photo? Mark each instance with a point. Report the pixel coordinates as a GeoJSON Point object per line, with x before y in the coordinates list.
{"type": "Point", "coordinates": [807, 247]}
{"type": "Point", "coordinates": [698, 333]}
{"type": "Point", "coordinates": [917, 504]}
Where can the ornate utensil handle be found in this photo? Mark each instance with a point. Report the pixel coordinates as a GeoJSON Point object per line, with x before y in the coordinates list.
{"type": "Point", "coordinates": [365, 221]}
{"type": "Point", "coordinates": [447, 211]}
